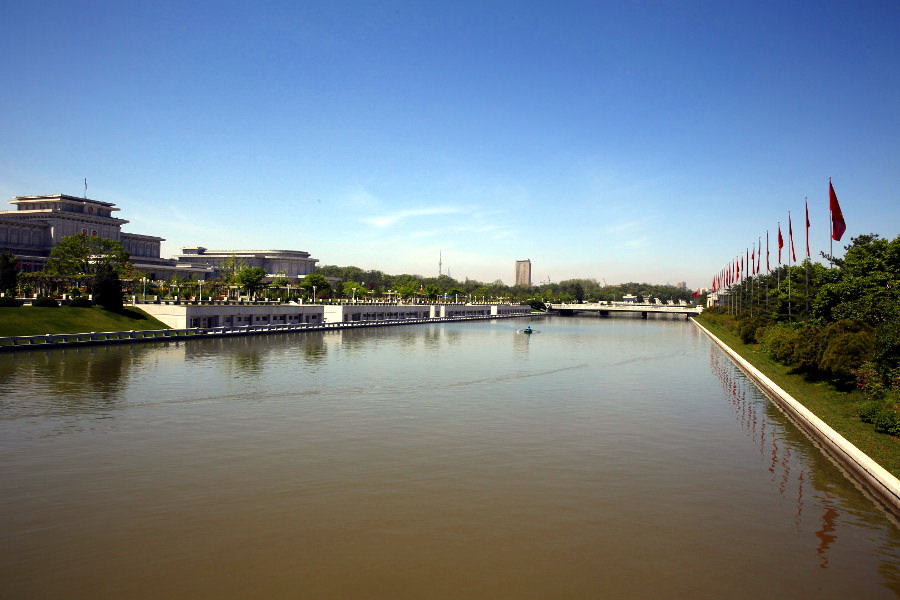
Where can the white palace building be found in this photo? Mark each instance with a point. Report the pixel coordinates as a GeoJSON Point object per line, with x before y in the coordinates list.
{"type": "Point", "coordinates": [39, 222]}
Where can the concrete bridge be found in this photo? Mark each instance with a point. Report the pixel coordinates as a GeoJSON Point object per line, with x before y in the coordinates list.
{"type": "Point", "coordinates": [605, 310]}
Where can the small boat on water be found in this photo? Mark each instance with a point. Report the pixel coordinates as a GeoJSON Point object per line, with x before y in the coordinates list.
{"type": "Point", "coordinates": [527, 330]}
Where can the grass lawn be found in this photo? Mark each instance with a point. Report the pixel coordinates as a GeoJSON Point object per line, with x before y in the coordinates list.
{"type": "Point", "coordinates": [838, 409]}
{"type": "Point", "coordinates": [29, 320]}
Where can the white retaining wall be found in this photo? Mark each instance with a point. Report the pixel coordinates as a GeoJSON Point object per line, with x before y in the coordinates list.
{"type": "Point", "coordinates": [881, 483]}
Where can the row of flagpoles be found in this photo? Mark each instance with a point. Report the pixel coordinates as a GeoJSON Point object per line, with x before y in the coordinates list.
{"type": "Point", "coordinates": [736, 271]}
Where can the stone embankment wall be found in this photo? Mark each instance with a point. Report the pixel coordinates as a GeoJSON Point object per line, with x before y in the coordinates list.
{"type": "Point", "coordinates": [881, 484]}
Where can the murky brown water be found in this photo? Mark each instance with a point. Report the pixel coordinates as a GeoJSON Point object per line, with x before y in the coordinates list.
{"type": "Point", "coordinates": [613, 458]}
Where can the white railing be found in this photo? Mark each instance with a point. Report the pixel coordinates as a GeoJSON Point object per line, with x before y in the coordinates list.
{"type": "Point", "coordinates": [59, 340]}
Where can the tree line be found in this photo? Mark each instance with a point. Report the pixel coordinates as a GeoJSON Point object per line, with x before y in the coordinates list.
{"type": "Point", "coordinates": [77, 264]}
{"type": "Point", "coordinates": [377, 284]}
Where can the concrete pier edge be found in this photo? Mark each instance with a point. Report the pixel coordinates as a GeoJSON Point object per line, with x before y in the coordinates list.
{"type": "Point", "coordinates": [873, 476]}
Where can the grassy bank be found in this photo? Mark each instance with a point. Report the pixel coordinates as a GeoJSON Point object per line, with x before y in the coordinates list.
{"type": "Point", "coordinates": [837, 409]}
{"type": "Point", "coordinates": [28, 320]}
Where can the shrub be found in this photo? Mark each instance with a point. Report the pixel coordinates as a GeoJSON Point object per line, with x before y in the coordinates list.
{"type": "Point", "coordinates": [44, 302]}
{"type": "Point", "coordinates": [8, 301]}
{"type": "Point", "coordinates": [80, 302]}
{"type": "Point", "coordinates": [537, 305]}
{"type": "Point", "coordinates": [779, 341]}
{"type": "Point", "coordinates": [808, 349]}
{"type": "Point", "coordinates": [749, 327]}
{"type": "Point", "coordinates": [887, 421]}
{"type": "Point", "coordinates": [867, 411]}
{"type": "Point", "coordinates": [869, 382]}
{"type": "Point", "coordinates": [846, 346]}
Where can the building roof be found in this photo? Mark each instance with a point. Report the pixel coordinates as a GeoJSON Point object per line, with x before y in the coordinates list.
{"type": "Point", "coordinates": [25, 199]}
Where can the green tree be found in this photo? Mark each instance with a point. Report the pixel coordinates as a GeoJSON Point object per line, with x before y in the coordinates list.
{"type": "Point", "coordinates": [432, 291]}
{"type": "Point", "coordinates": [77, 256]}
{"type": "Point", "coordinates": [251, 279]}
{"type": "Point", "coordinates": [281, 279]}
{"type": "Point", "coordinates": [9, 269]}
{"type": "Point", "coordinates": [355, 289]}
{"type": "Point", "coordinates": [230, 267]}
{"type": "Point", "coordinates": [456, 293]}
{"type": "Point", "coordinates": [106, 288]}
{"type": "Point", "coordinates": [317, 281]}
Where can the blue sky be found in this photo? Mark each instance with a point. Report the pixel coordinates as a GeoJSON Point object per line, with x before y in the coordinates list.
{"type": "Point", "coordinates": [622, 141]}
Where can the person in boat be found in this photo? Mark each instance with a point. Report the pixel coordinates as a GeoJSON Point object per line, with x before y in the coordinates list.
{"type": "Point", "coordinates": [527, 329]}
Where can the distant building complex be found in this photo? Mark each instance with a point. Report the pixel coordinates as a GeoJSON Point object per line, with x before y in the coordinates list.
{"type": "Point", "coordinates": [293, 264]}
{"type": "Point", "coordinates": [523, 272]}
{"type": "Point", "coordinates": [39, 222]}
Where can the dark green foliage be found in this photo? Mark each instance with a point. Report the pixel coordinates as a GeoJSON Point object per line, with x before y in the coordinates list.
{"type": "Point", "coordinates": [780, 341]}
{"type": "Point", "coordinates": [9, 302]}
{"type": "Point", "coordinates": [44, 302]}
{"type": "Point", "coordinates": [808, 349]}
{"type": "Point", "coordinates": [887, 421]}
{"type": "Point", "coordinates": [83, 256]}
{"type": "Point", "coordinates": [887, 347]}
{"type": "Point", "coordinates": [537, 304]}
{"type": "Point", "coordinates": [80, 302]}
{"type": "Point", "coordinates": [8, 271]}
{"type": "Point", "coordinates": [868, 411]}
{"type": "Point", "coordinates": [749, 327]}
{"type": "Point", "coordinates": [847, 344]}
{"type": "Point", "coordinates": [107, 288]}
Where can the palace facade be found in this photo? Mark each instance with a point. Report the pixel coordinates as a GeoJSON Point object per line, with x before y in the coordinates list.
{"type": "Point", "coordinates": [38, 223]}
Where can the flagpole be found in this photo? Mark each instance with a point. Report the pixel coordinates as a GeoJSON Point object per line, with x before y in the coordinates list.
{"type": "Point", "coordinates": [750, 272]}
{"type": "Point", "coordinates": [791, 241]}
{"type": "Point", "coordinates": [768, 270]}
{"type": "Point", "coordinates": [806, 204]}
{"type": "Point", "coordinates": [778, 270]}
{"type": "Point", "coordinates": [831, 219]}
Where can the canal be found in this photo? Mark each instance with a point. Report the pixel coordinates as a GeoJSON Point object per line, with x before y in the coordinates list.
{"type": "Point", "coordinates": [616, 458]}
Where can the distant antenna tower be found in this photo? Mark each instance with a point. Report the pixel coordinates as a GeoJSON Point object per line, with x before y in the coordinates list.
{"type": "Point", "coordinates": [85, 188]}
{"type": "Point", "coordinates": [440, 264]}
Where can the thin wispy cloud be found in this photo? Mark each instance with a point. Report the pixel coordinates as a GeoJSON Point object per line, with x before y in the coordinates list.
{"type": "Point", "coordinates": [392, 218]}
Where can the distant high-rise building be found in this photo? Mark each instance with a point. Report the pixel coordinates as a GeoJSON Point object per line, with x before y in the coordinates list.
{"type": "Point", "coordinates": [523, 272]}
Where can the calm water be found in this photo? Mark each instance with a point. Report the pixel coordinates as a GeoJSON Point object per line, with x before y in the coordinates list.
{"type": "Point", "coordinates": [597, 458]}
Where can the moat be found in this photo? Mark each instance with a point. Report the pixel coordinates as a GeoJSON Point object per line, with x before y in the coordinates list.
{"type": "Point", "coordinates": [622, 458]}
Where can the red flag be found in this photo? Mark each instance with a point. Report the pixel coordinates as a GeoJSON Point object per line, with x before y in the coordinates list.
{"type": "Point", "coordinates": [807, 228]}
{"type": "Point", "coordinates": [780, 243]}
{"type": "Point", "coordinates": [838, 227]}
{"type": "Point", "coordinates": [759, 253]}
{"type": "Point", "coordinates": [753, 261]}
{"type": "Point", "coordinates": [768, 268]}
{"type": "Point", "coordinates": [791, 237]}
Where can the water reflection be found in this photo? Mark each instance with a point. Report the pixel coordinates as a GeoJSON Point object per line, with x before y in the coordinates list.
{"type": "Point", "coordinates": [827, 499]}
{"type": "Point", "coordinates": [67, 381]}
